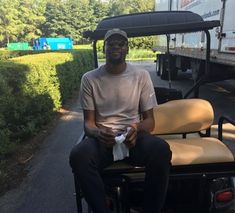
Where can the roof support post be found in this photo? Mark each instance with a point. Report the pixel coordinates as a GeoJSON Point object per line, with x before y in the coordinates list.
{"type": "Point", "coordinates": [95, 53]}
{"type": "Point", "coordinates": [204, 78]}
{"type": "Point", "coordinates": [208, 53]}
{"type": "Point", "coordinates": [168, 60]}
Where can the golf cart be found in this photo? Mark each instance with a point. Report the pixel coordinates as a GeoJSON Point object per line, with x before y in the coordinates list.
{"type": "Point", "coordinates": [202, 166]}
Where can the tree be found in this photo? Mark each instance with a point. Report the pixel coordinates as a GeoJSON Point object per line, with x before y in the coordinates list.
{"type": "Point", "coordinates": [68, 18]}
{"type": "Point", "coordinates": [24, 20]}
{"type": "Point", "coordinates": [10, 24]}
{"type": "Point", "coordinates": [141, 6]}
{"type": "Point", "coordinates": [31, 16]}
{"type": "Point", "coordinates": [117, 7]}
{"type": "Point", "coordinates": [100, 10]}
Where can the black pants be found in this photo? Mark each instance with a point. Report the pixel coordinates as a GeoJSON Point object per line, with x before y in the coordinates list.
{"type": "Point", "coordinates": [89, 156]}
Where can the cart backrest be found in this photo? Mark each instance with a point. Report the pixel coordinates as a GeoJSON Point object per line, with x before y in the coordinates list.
{"type": "Point", "coordinates": [183, 116]}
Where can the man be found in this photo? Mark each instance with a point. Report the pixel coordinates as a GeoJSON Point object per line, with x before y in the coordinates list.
{"type": "Point", "coordinates": [113, 98]}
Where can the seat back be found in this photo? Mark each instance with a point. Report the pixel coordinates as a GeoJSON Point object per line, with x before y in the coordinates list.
{"type": "Point", "coordinates": [183, 116]}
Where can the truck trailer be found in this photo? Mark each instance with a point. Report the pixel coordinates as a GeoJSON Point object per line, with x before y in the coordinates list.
{"type": "Point", "coordinates": [52, 44]}
{"type": "Point", "coordinates": [188, 50]}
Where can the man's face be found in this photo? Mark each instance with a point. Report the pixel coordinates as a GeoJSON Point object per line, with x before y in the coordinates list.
{"type": "Point", "coordinates": [116, 48]}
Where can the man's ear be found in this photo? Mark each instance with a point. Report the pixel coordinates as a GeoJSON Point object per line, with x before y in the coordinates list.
{"type": "Point", "coordinates": [127, 51]}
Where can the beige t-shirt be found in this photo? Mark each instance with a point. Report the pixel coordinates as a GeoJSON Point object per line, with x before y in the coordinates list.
{"type": "Point", "coordinates": [117, 98]}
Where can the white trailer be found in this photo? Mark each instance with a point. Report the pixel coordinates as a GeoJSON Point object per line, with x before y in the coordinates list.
{"type": "Point", "coordinates": [187, 51]}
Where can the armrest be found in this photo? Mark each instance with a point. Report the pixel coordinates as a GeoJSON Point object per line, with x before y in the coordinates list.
{"type": "Point", "coordinates": [220, 126]}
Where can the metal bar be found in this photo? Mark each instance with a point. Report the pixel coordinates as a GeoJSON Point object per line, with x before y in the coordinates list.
{"type": "Point", "coordinates": [208, 53]}
{"type": "Point", "coordinates": [95, 53]}
{"type": "Point", "coordinates": [203, 79]}
{"type": "Point", "coordinates": [220, 126]}
{"type": "Point", "coordinates": [168, 59]}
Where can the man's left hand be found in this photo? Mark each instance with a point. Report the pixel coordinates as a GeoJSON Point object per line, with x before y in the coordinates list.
{"type": "Point", "coordinates": [130, 140]}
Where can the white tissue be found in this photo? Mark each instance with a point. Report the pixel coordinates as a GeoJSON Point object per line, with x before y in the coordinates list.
{"type": "Point", "coordinates": [120, 151]}
{"type": "Point", "coordinates": [120, 139]}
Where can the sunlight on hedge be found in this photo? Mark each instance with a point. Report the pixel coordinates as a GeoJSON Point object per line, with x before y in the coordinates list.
{"type": "Point", "coordinates": [33, 88]}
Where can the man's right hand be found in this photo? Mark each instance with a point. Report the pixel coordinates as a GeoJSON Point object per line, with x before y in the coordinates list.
{"type": "Point", "coordinates": [106, 135]}
{"type": "Point", "coordinates": [92, 129]}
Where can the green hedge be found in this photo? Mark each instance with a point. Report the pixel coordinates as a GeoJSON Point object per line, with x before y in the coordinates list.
{"type": "Point", "coordinates": [33, 87]}
{"type": "Point", "coordinates": [7, 54]}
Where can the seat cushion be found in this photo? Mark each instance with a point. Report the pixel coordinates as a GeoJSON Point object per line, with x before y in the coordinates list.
{"type": "Point", "coordinates": [182, 116]}
{"type": "Point", "coordinates": [199, 151]}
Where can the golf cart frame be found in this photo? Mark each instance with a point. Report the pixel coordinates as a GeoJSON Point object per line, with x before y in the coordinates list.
{"type": "Point", "coordinates": [158, 23]}
{"type": "Point", "coordinates": [162, 23]}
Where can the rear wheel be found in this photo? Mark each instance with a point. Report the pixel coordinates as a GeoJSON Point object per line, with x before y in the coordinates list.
{"type": "Point", "coordinates": [158, 66]}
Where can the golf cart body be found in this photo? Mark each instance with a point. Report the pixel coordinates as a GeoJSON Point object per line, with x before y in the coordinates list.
{"type": "Point", "coordinates": [202, 166]}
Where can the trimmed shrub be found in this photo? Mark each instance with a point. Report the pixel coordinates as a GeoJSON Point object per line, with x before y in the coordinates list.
{"type": "Point", "coordinates": [33, 87]}
{"type": "Point", "coordinates": [6, 54]}
{"type": "Point", "coordinates": [5, 145]}
{"type": "Point", "coordinates": [140, 48]}
{"type": "Point", "coordinates": [142, 42]}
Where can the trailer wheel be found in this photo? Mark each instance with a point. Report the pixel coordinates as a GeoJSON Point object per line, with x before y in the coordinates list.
{"type": "Point", "coordinates": [159, 64]}
{"type": "Point", "coordinates": [198, 69]}
{"type": "Point", "coordinates": [162, 67]}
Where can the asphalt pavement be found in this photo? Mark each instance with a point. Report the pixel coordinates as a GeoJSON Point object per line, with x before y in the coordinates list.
{"type": "Point", "coordinates": [49, 186]}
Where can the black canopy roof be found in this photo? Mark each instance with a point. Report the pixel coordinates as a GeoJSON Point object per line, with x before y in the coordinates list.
{"type": "Point", "coordinates": [153, 23]}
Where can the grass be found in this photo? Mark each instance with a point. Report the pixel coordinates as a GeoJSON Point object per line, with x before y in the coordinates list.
{"type": "Point", "coordinates": [82, 46]}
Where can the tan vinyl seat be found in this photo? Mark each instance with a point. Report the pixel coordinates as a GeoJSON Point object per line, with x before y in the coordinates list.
{"type": "Point", "coordinates": [187, 116]}
{"type": "Point", "coordinates": [199, 151]}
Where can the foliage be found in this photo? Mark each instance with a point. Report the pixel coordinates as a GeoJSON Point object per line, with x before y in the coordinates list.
{"type": "Point", "coordinates": [9, 20]}
{"type": "Point", "coordinates": [134, 43]}
{"type": "Point", "coordinates": [25, 20]}
{"type": "Point", "coordinates": [134, 55]}
{"type": "Point", "coordinates": [33, 88]}
{"type": "Point", "coordinates": [141, 54]}
{"type": "Point", "coordinates": [140, 48]}
{"type": "Point", "coordinates": [31, 14]}
{"type": "Point", "coordinates": [71, 18]}
{"type": "Point", "coordinates": [129, 6]}
{"type": "Point", "coordinates": [142, 42]}
{"type": "Point", "coordinates": [6, 54]}
{"type": "Point", "coordinates": [5, 101]}
{"type": "Point", "coordinates": [82, 46]}
{"type": "Point", "coordinates": [20, 20]}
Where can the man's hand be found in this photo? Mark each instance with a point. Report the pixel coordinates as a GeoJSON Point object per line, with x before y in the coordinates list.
{"type": "Point", "coordinates": [130, 140]}
{"type": "Point", "coordinates": [106, 135]}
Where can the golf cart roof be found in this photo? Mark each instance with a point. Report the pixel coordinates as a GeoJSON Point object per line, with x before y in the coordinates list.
{"type": "Point", "coordinates": [153, 23]}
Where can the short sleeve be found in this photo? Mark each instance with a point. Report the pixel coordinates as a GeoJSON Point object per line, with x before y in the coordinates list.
{"type": "Point", "coordinates": [86, 94]}
{"type": "Point", "coordinates": [147, 96]}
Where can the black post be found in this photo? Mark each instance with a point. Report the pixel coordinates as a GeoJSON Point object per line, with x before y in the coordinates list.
{"type": "Point", "coordinates": [203, 79]}
{"type": "Point", "coordinates": [168, 59]}
{"type": "Point", "coordinates": [95, 53]}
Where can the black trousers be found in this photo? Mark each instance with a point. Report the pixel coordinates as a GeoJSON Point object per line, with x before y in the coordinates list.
{"type": "Point", "coordinates": [90, 156]}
